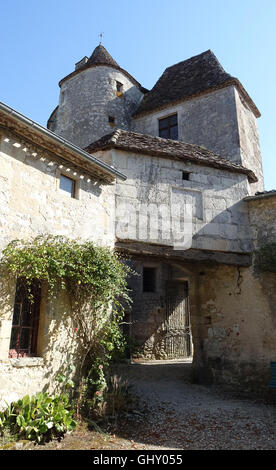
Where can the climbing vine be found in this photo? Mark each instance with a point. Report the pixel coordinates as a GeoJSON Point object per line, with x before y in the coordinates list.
{"type": "Point", "coordinates": [93, 277]}
{"type": "Point", "coordinates": [266, 258]}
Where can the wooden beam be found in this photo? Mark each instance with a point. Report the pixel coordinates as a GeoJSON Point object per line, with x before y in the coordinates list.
{"type": "Point", "coordinates": [135, 248]}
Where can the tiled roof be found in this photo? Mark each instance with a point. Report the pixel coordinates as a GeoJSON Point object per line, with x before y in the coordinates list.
{"type": "Point", "coordinates": [262, 195]}
{"type": "Point", "coordinates": [15, 122]}
{"type": "Point", "coordinates": [187, 79]}
{"type": "Point", "coordinates": [101, 56]}
{"type": "Point", "coordinates": [157, 146]}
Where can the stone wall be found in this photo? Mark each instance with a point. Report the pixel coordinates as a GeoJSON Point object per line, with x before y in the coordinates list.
{"type": "Point", "coordinates": [235, 330]}
{"type": "Point", "coordinates": [150, 204]}
{"type": "Point", "coordinates": [209, 121]}
{"type": "Point", "coordinates": [262, 219]}
{"type": "Point", "coordinates": [219, 121]}
{"type": "Point", "coordinates": [33, 204]}
{"type": "Point", "coordinates": [233, 321]}
{"type": "Point", "coordinates": [86, 101]}
{"type": "Point", "coordinates": [249, 142]}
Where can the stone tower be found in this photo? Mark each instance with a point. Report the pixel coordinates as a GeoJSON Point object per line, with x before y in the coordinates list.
{"type": "Point", "coordinates": [212, 107]}
{"type": "Point", "coordinates": [94, 99]}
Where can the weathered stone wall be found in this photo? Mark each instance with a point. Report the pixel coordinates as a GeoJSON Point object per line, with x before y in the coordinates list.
{"type": "Point", "coordinates": [262, 219]}
{"type": "Point", "coordinates": [88, 99]}
{"type": "Point", "coordinates": [237, 321]}
{"type": "Point", "coordinates": [155, 186]}
{"type": "Point", "coordinates": [57, 353]}
{"type": "Point", "coordinates": [232, 308]}
{"type": "Point", "coordinates": [249, 142]}
{"type": "Point", "coordinates": [33, 204]}
{"type": "Point", "coordinates": [235, 331]}
{"type": "Point", "coordinates": [219, 121]}
{"type": "Point", "coordinates": [233, 320]}
{"type": "Point", "coordinates": [209, 121]}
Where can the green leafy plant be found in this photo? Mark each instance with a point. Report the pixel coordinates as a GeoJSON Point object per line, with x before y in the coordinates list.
{"type": "Point", "coordinates": [38, 418]}
{"type": "Point", "coordinates": [266, 258]}
{"type": "Point", "coordinates": [95, 280]}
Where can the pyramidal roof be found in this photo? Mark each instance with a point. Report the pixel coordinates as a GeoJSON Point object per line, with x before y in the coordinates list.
{"type": "Point", "coordinates": [187, 79]}
{"type": "Point", "coordinates": [100, 56]}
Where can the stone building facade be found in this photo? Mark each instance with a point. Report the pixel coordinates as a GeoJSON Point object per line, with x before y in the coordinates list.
{"type": "Point", "coordinates": [33, 203]}
{"type": "Point", "coordinates": [172, 178]}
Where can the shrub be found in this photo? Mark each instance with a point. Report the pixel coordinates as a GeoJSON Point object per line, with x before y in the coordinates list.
{"type": "Point", "coordinates": [266, 258]}
{"type": "Point", "coordinates": [94, 278]}
{"type": "Point", "coordinates": [38, 418]}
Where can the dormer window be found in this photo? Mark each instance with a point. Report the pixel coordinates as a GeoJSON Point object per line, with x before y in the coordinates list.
{"type": "Point", "coordinates": [168, 127]}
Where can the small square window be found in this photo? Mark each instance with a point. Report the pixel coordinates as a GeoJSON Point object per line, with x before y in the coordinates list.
{"type": "Point", "coordinates": [111, 119]}
{"type": "Point", "coordinates": [185, 175]}
{"type": "Point", "coordinates": [149, 279]}
{"type": "Point", "coordinates": [68, 185]}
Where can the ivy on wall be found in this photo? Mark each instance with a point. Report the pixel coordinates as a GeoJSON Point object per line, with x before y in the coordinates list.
{"type": "Point", "coordinates": [94, 278]}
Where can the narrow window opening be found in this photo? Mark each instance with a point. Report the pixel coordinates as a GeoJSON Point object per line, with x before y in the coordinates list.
{"type": "Point", "coordinates": [111, 119]}
{"type": "Point", "coordinates": [149, 279]}
{"type": "Point", "coordinates": [185, 175]}
{"type": "Point", "coordinates": [25, 323]}
{"type": "Point", "coordinates": [119, 87]}
{"type": "Point", "coordinates": [68, 185]}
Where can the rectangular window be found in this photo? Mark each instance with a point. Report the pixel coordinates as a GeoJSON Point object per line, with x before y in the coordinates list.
{"type": "Point", "coordinates": [168, 127]}
{"type": "Point", "coordinates": [25, 321]}
{"type": "Point", "coordinates": [68, 185]}
{"type": "Point", "coordinates": [149, 279]}
{"type": "Point", "coordinates": [111, 120]}
{"type": "Point", "coordinates": [119, 87]}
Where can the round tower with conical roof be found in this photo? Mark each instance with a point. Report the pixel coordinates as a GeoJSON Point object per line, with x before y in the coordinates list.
{"type": "Point", "coordinates": [98, 97]}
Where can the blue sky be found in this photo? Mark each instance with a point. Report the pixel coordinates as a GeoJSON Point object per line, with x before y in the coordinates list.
{"type": "Point", "coordinates": [41, 40]}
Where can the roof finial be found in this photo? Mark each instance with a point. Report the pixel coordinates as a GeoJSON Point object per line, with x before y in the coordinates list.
{"type": "Point", "coordinates": [101, 37]}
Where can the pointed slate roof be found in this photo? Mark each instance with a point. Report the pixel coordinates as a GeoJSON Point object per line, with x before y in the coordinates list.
{"type": "Point", "coordinates": [160, 147]}
{"type": "Point", "coordinates": [101, 57]}
{"type": "Point", "coordinates": [187, 79]}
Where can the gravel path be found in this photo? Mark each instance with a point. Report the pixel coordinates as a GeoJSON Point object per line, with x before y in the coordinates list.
{"type": "Point", "coordinates": [175, 414]}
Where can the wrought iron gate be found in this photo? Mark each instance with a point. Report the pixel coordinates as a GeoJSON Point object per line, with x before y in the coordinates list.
{"type": "Point", "coordinates": [178, 342]}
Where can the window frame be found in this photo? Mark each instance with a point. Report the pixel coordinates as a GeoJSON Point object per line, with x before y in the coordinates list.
{"type": "Point", "coordinates": [170, 125]}
{"type": "Point", "coordinates": [74, 192]}
{"type": "Point", "coordinates": [21, 300]}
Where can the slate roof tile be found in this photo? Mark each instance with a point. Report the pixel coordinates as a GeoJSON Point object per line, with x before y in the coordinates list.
{"type": "Point", "coordinates": [187, 79]}
{"type": "Point", "coordinates": [157, 146]}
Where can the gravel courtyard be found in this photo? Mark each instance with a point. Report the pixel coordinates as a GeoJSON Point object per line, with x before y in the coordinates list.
{"type": "Point", "coordinates": [181, 415]}
{"type": "Point", "coordinates": [174, 414]}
